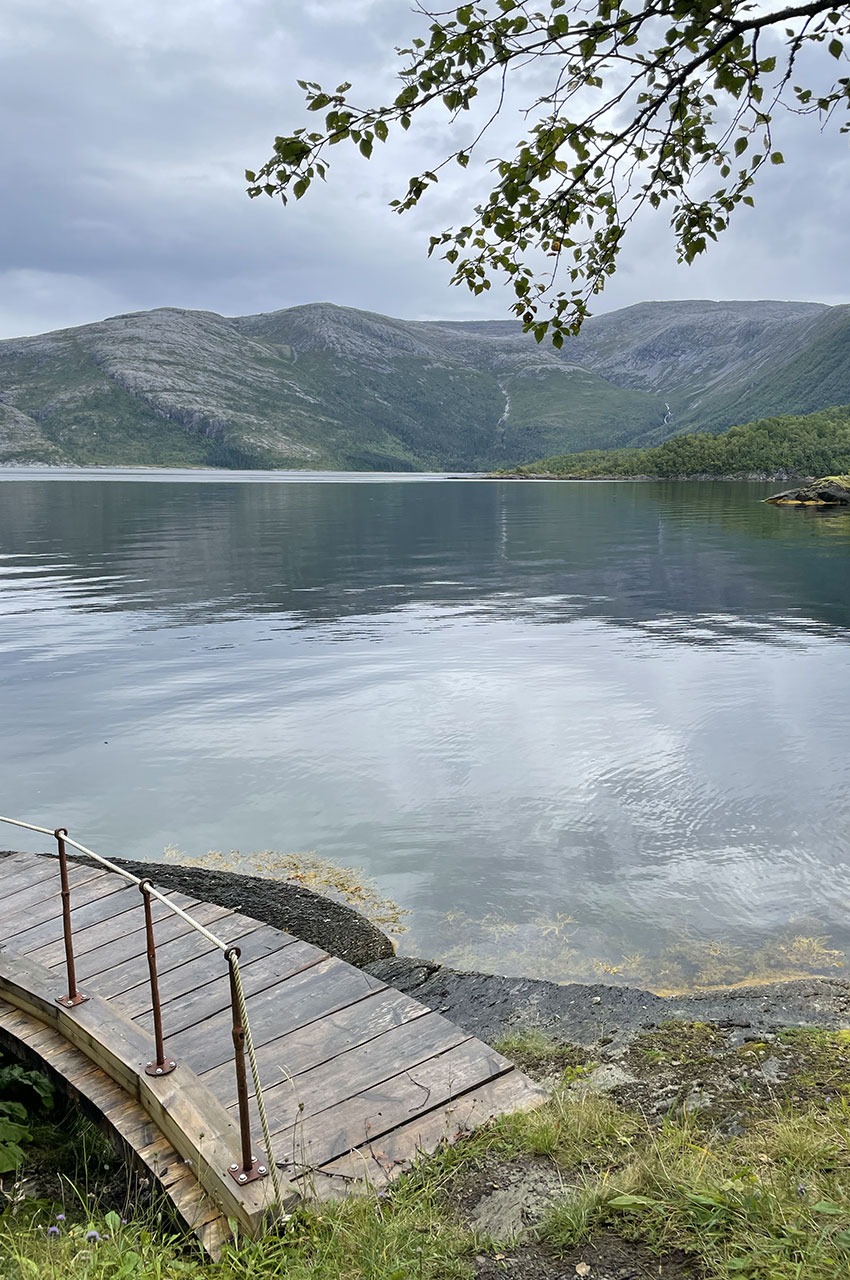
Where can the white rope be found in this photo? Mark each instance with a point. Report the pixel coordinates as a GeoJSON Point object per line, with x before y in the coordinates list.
{"type": "Point", "coordinates": [255, 1074]}
{"type": "Point", "coordinates": [223, 946]}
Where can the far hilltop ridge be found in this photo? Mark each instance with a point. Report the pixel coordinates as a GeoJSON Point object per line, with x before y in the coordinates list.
{"type": "Point", "coordinates": [328, 387]}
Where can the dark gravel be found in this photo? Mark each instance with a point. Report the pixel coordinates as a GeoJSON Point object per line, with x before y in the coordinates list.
{"type": "Point", "coordinates": [487, 1006]}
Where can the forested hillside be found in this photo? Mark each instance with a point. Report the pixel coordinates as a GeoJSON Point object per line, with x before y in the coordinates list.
{"type": "Point", "coordinates": [815, 445]}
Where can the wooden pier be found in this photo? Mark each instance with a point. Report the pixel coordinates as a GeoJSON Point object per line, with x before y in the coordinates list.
{"type": "Point", "coordinates": [357, 1079]}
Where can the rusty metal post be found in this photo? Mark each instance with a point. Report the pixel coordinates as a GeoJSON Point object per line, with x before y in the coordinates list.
{"type": "Point", "coordinates": [74, 996]}
{"type": "Point", "coordinates": [162, 1066]}
{"type": "Point", "coordinates": [251, 1169]}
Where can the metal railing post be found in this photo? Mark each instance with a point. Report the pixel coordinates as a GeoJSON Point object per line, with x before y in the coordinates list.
{"type": "Point", "coordinates": [74, 996]}
{"type": "Point", "coordinates": [251, 1168]}
{"type": "Point", "coordinates": [162, 1066]}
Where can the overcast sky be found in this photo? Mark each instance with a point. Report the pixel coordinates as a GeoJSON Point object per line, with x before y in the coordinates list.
{"type": "Point", "coordinates": [126, 127]}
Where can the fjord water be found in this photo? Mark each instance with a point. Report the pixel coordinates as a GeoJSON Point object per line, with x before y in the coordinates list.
{"type": "Point", "coordinates": [561, 723]}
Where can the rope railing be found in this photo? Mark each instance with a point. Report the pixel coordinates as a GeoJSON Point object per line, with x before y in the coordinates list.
{"type": "Point", "coordinates": [251, 1168]}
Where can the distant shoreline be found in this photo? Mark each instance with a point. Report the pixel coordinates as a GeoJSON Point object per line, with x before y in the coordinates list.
{"type": "Point", "coordinates": [149, 471]}
{"type": "Point", "coordinates": [751, 477]}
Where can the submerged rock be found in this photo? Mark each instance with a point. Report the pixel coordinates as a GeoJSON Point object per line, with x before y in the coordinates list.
{"type": "Point", "coordinates": [829, 491]}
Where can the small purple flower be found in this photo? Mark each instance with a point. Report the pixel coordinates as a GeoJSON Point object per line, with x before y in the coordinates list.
{"type": "Point", "coordinates": [60, 1217]}
{"type": "Point", "coordinates": [801, 1191]}
{"type": "Point", "coordinates": [53, 1231]}
{"type": "Point", "coordinates": [93, 1236]}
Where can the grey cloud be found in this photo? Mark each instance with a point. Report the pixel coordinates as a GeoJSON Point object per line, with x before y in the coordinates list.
{"type": "Point", "coordinates": [125, 129]}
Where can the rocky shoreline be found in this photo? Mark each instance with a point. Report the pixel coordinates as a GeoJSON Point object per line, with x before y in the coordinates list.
{"type": "Point", "coordinates": [594, 1017]}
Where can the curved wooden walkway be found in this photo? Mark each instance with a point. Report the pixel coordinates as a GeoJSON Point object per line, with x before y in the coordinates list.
{"type": "Point", "coordinates": [357, 1078]}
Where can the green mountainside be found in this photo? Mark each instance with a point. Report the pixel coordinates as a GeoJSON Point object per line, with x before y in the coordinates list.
{"type": "Point", "coordinates": [322, 386]}
{"type": "Point", "coordinates": [817, 444]}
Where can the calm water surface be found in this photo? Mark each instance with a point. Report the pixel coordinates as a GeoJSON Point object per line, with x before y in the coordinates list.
{"type": "Point", "coordinates": [573, 728]}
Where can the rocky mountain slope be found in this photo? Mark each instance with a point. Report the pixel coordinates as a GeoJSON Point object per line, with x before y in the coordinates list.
{"type": "Point", "coordinates": [324, 386]}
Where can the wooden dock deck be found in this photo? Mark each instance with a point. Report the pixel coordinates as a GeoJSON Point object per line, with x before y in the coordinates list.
{"type": "Point", "coordinates": [357, 1078]}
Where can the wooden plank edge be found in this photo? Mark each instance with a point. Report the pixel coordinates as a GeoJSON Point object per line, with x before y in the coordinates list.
{"type": "Point", "coordinates": [186, 1111]}
{"type": "Point", "coordinates": [22, 1035]}
{"type": "Point", "coordinates": [367, 1167]}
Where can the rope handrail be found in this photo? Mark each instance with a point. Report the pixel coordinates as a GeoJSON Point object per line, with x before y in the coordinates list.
{"type": "Point", "coordinates": [231, 955]}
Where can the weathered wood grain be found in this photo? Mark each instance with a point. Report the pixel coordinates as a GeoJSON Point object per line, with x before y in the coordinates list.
{"type": "Point", "coordinates": [313, 993]}
{"type": "Point", "coordinates": [319, 1041]}
{"type": "Point", "coordinates": [116, 964]}
{"type": "Point", "coordinates": [387, 1155]}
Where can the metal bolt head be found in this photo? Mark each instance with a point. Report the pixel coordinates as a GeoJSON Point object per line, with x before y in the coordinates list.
{"type": "Point", "coordinates": [233, 1168]}
{"type": "Point", "coordinates": [159, 1071]}
{"type": "Point", "coordinates": [261, 1168]}
{"type": "Point", "coordinates": [243, 1177]}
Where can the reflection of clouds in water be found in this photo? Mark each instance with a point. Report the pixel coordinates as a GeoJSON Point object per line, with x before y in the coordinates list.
{"type": "Point", "coordinates": [524, 714]}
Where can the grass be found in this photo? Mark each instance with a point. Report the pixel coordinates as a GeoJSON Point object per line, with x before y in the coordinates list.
{"type": "Point", "coordinates": [772, 1203]}
{"type": "Point", "coordinates": [538, 1053]}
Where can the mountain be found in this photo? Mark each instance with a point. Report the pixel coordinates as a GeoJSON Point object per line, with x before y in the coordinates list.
{"type": "Point", "coordinates": [322, 386]}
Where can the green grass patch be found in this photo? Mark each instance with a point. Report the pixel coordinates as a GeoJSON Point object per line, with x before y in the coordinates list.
{"type": "Point", "coordinates": [772, 1203]}
{"type": "Point", "coordinates": [534, 1051]}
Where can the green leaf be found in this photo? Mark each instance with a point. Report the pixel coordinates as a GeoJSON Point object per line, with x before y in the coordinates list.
{"type": "Point", "coordinates": [381, 130]}
{"type": "Point", "coordinates": [828, 1206]}
{"type": "Point", "coordinates": [777, 158]}
{"type": "Point", "coordinates": [366, 147]}
{"type": "Point", "coordinates": [836, 48]}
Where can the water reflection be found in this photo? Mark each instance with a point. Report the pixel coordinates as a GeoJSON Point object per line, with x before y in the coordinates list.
{"type": "Point", "coordinates": [521, 702]}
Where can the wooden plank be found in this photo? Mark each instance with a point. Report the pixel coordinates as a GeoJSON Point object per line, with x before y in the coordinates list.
{"type": "Point", "coordinates": [27, 890]}
{"type": "Point", "coordinates": [312, 993]}
{"type": "Point", "coordinates": [368, 1065]}
{"type": "Point", "coordinates": [96, 901]}
{"type": "Point", "coordinates": [108, 965]}
{"type": "Point", "coordinates": [27, 871]}
{"type": "Point", "coordinates": [260, 975]}
{"type": "Point", "coordinates": [321, 1040]}
{"type": "Point", "coordinates": [383, 1159]}
{"type": "Point", "coordinates": [214, 1236]}
{"type": "Point", "coordinates": [94, 924]}
{"type": "Point", "coordinates": [22, 900]}
{"type": "Point", "coordinates": [191, 968]}
{"type": "Point", "coordinates": [188, 1114]}
{"type": "Point", "coordinates": [205, 975]}
{"type": "Point", "coordinates": [87, 886]}
{"type": "Point", "coordinates": [14, 857]}
{"type": "Point", "coordinates": [128, 1122]}
{"type": "Point", "coordinates": [317, 1138]}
